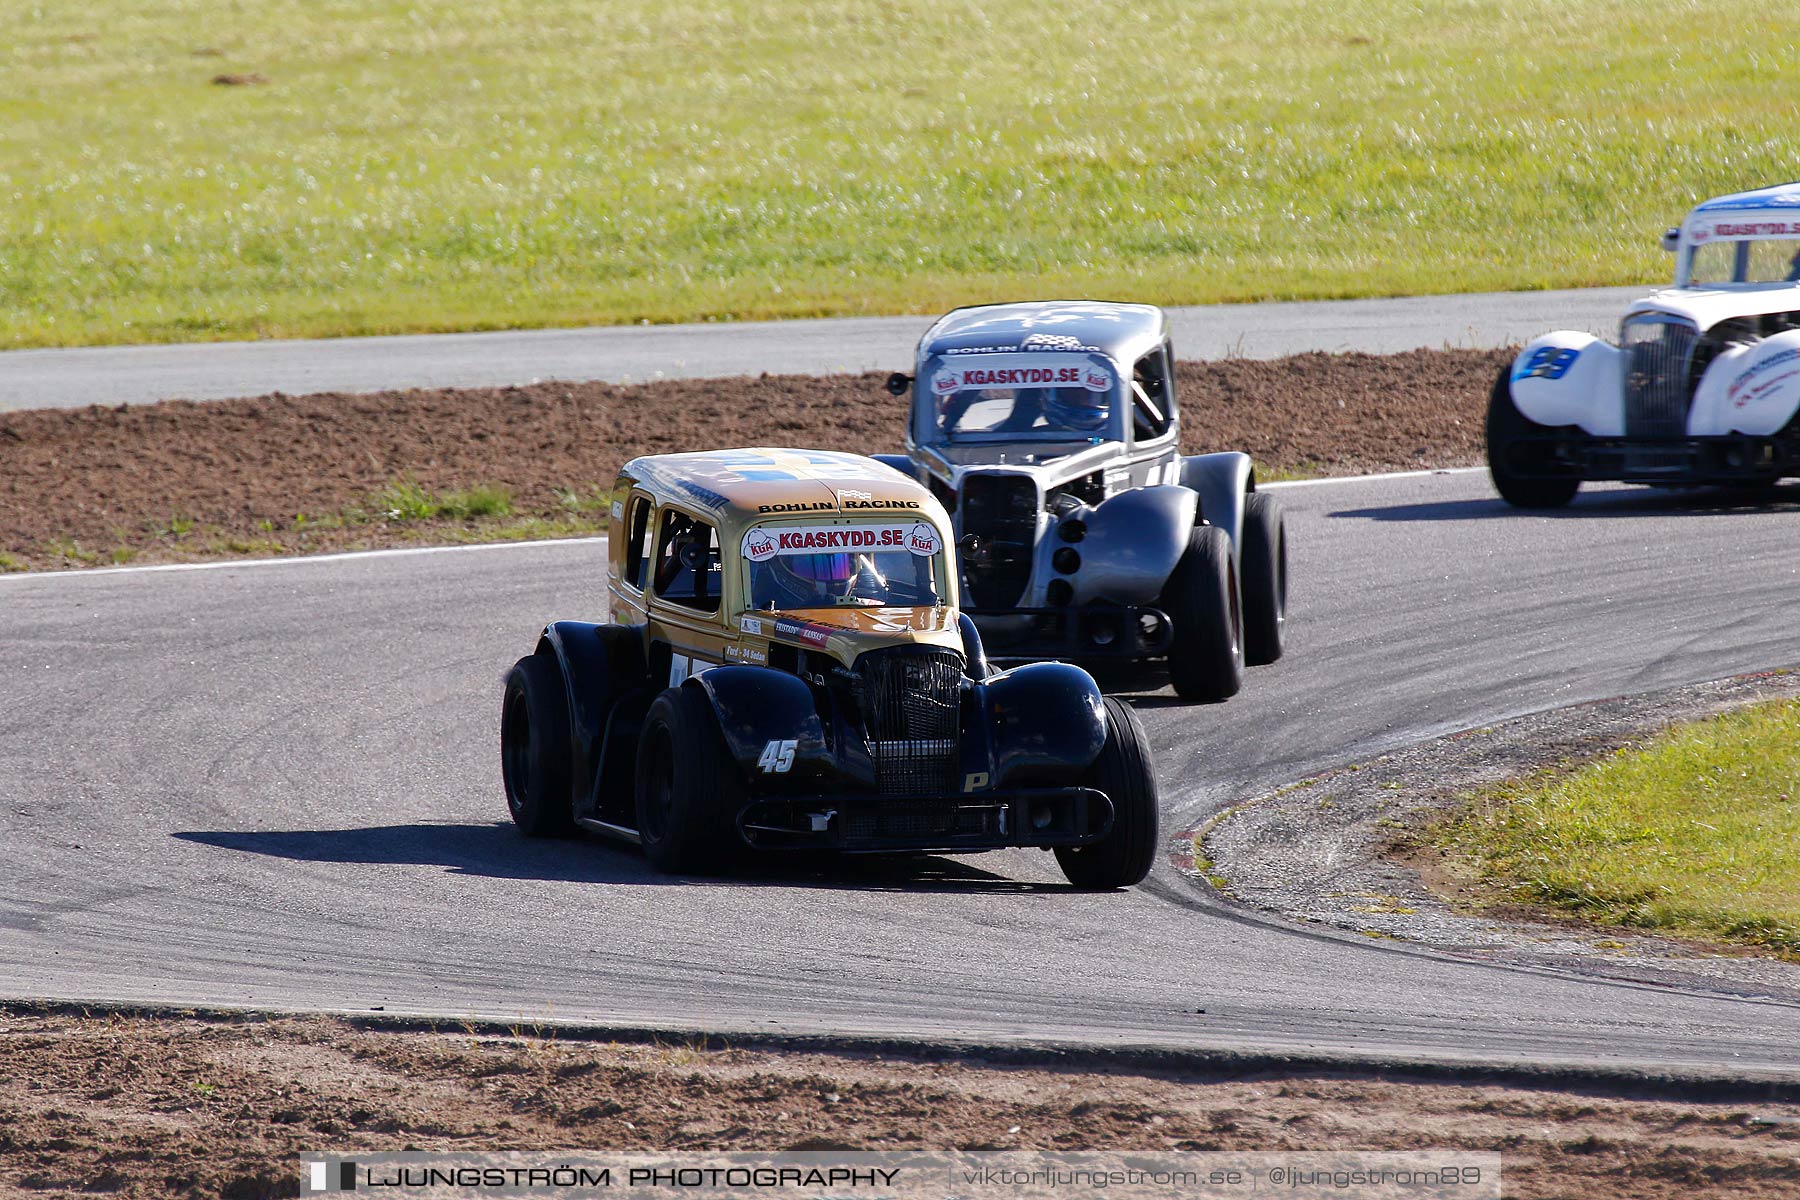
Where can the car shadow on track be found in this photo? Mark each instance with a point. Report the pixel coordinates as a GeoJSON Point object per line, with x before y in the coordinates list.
{"type": "Point", "coordinates": [1613, 502]}
{"type": "Point", "coordinates": [494, 850]}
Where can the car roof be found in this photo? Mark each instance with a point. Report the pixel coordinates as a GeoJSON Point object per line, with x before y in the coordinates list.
{"type": "Point", "coordinates": [1782, 195]}
{"type": "Point", "coordinates": [755, 483]}
{"type": "Point", "coordinates": [1122, 332]}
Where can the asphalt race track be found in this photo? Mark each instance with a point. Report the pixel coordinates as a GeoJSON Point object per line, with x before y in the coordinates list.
{"type": "Point", "coordinates": [278, 785]}
{"type": "Point", "coordinates": [627, 354]}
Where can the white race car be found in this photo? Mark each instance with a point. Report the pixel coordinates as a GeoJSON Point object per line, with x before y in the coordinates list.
{"type": "Point", "coordinates": [1702, 387]}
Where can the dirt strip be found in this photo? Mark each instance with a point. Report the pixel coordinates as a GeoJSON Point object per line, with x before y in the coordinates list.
{"type": "Point", "coordinates": [300, 474]}
{"type": "Point", "coordinates": [138, 1107]}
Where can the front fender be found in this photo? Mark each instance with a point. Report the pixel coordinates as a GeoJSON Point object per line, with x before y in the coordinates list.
{"type": "Point", "coordinates": [1568, 378]}
{"type": "Point", "coordinates": [1752, 389]}
{"type": "Point", "coordinates": [1221, 480]}
{"type": "Point", "coordinates": [1046, 723]}
{"type": "Point", "coordinates": [898, 462]}
{"type": "Point", "coordinates": [756, 706]}
{"type": "Point", "coordinates": [1134, 540]}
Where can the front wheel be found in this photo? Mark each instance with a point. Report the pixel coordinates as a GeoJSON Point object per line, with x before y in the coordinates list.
{"type": "Point", "coordinates": [1264, 555]}
{"type": "Point", "coordinates": [1125, 855]}
{"type": "Point", "coordinates": [688, 787]}
{"type": "Point", "coordinates": [1506, 425]}
{"type": "Point", "coordinates": [1206, 660]}
{"type": "Point", "coordinates": [534, 748]}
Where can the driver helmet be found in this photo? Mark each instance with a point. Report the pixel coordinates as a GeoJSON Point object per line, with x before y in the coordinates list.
{"type": "Point", "coordinates": [802, 580]}
{"type": "Point", "coordinates": [1075, 408]}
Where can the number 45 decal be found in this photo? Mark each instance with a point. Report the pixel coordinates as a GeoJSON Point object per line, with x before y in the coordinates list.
{"type": "Point", "coordinates": [777, 757]}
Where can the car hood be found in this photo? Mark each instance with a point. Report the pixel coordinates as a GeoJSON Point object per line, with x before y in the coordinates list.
{"type": "Point", "coordinates": [1707, 306]}
{"type": "Point", "coordinates": [1051, 463]}
{"type": "Point", "coordinates": [846, 633]}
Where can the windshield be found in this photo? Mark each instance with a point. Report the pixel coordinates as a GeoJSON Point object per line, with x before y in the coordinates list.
{"type": "Point", "coordinates": [1764, 261]}
{"type": "Point", "coordinates": [817, 566]}
{"type": "Point", "coordinates": [1002, 396]}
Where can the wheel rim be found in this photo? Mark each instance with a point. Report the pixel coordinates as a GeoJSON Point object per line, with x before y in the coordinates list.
{"type": "Point", "coordinates": [515, 747]}
{"type": "Point", "coordinates": [659, 787]}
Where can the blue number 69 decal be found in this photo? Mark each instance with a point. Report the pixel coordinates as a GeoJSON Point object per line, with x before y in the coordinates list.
{"type": "Point", "coordinates": [1547, 362]}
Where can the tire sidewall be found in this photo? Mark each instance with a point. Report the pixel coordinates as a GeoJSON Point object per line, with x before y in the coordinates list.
{"type": "Point", "coordinates": [1203, 600]}
{"type": "Point", "coordinates": [688, 788]}
{"type": "Point", "coordinates": [1125, 855]}
{"type": "Point", "coordinates": [1505, 425]}
{"type": "Point", "coordinates": [1264, 576]}
{"type": "Point", "coordinates": [534, 748]}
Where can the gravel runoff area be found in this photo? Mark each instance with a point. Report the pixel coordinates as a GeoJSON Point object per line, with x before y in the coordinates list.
{"type": "Point", "coordinates": [278, 474]}
{"type": "Point", "coordinates": [1344, 850]}
{"type": "Point", "coordinates": [217, 1105]}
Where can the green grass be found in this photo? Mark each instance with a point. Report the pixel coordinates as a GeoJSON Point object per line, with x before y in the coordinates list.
{"type": "Point", "coordinates": [1696, 833]}
{"type": "Point", "coordinates": [404, 499]}
{"type": "Point", "coordinates": [500, 163]}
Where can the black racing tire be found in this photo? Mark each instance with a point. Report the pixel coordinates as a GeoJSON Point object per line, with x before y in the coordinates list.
{"type": "Point", "coordinates": [688, 787]}
{"type": "Point", "coordinates": [1123, 772]}
{"type": "Point", "coordinates": [1263, 554]}
{"type": "Point", "coordinates": [1206, 660]}
{"type": "Point", "coordinates": [1505, 425]}
{"type": "Point", "coordinates": [534, 748]}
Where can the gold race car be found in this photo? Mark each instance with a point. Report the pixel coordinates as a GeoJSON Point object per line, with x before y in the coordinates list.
{"type": "Point", "coordinates": [786, 669]}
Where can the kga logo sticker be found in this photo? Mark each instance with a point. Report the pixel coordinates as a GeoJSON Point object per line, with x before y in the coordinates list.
{"type": "Point", "coordinates": [923, 540]}
{"type": "Point", "coordinates": [946, 381]}
{"type": "Point", "coordinates": [758, 545]}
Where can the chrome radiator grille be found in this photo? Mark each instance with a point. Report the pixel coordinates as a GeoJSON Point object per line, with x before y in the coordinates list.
{"type": "Point", "coordinates": [1002, 512]}
{"type": "Point", "coordinates": [911, 700]}
{"type": "Point", "coordinates": [1658, 355]}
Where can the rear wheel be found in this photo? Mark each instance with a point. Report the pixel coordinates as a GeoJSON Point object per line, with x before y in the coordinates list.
{"type": "Point", "coordinates": [1125, 855]}
{"type": "Point", "coordinates": [1264, 557]}
{"type": "Point", "coordinates": [534, 748]}
{"type": "Point", "coordinates": [688, 787]}
{"type": "Point", "coordinates": [1506, 425]}
{"type": "Point", "coordinates": [1206, 661]}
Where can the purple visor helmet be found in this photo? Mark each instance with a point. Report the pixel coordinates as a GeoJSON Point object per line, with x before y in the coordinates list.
{"type": "Point", "coordinates": [820, 568]}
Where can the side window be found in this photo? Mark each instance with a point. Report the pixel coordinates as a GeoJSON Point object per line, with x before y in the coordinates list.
{"type": "Point", "coordinates": [688, 570]}
{"type": "Point", "coordinates": [637, 526]}
{"type": "Point", "coordinates": [1152, 395]}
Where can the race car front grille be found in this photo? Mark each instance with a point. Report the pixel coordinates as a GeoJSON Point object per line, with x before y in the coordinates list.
{"type": "Point", "coordinates": [1658, 391]}
{"type": "Point", "coordinates": [911, 701]}
{"type": "Point", "coordinates": [1001, 511]}
{"type": "Point", "coordinates": [922, 822]}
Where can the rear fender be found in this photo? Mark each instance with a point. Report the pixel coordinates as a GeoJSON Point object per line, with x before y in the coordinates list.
{"type": "Point", "coordinates": [1569, 378]}
{"type": "Point", "coordinates": [1221, 480]}
{"type": "Point", "coordinates": [757, 706]}
{"type": "Point", "coordinates": [603, 671]}
{"type": "Point", "coordinates": [1046, 724]}
{"type": "Point", "coordinates": [1133, 541]}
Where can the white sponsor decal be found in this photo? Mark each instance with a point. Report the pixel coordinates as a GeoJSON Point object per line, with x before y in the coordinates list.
{"type": "Point", "coordinates": [1021, 371]}
{"type": "Point", "coordinates": [762, 544]}
{"type": "Point", "coordinates": [1742, 228]}
{"type": "Point", "coordinates": [618, 509]}
{"type": "Point", "coordinates": [758, 545]}
{"type": "Point", "coordinates": [751, 625]}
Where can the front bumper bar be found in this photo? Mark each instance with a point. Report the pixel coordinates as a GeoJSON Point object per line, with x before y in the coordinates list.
{"type": "Point", "coordinates": [1728, 459]}
{"type": "Point", "coordinates": [867, 822]}
{"type": "Point", "coordinates": [1099, 632]}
